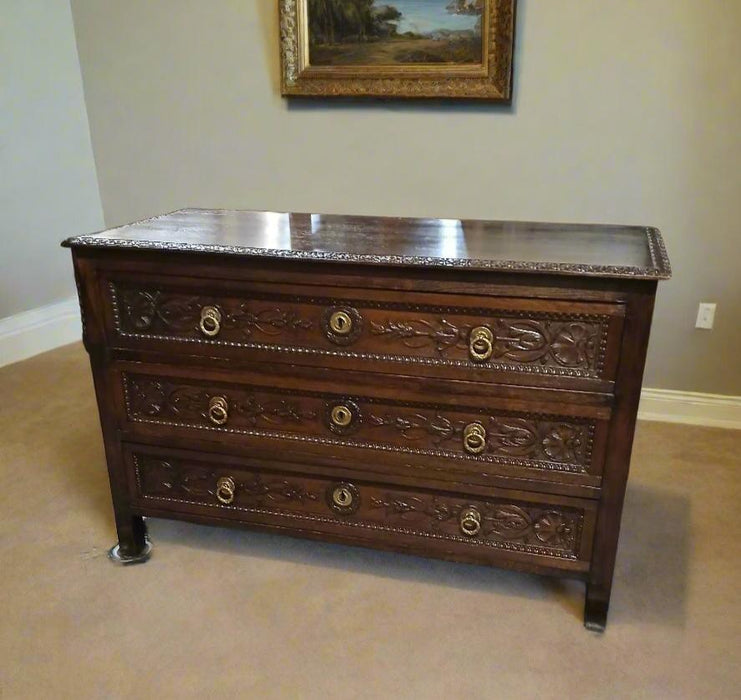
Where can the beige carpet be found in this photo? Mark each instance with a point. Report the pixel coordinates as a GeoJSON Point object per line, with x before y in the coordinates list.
{"type": "Point", "coordinates": [220, 613]}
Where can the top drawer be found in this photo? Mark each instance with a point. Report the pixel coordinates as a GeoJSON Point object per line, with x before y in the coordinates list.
{"type": "Point", "coordinates": [493, 339]}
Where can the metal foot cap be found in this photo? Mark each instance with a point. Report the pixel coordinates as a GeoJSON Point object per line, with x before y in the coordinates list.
{"type": "Point", "coordinates": [115, 555]}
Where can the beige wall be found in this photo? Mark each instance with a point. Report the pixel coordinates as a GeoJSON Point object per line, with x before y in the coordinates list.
{"type": "Point", "coordinates": [625, 111]}
{"type": "Point", "coordinates": [48, 186]}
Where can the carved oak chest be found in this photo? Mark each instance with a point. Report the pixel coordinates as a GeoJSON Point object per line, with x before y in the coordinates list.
{"type": "Point", "coordinates": [458, 389]}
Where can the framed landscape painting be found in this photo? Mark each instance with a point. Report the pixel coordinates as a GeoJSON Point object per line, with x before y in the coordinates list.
{"type": "Point", "coordinates": [398, 48]}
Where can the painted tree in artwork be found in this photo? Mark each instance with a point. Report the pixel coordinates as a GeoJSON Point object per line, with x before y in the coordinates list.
{"type": "Point", "coordinates": [466, 7]}
{"type": "Point", "coordinates": [332, 21]}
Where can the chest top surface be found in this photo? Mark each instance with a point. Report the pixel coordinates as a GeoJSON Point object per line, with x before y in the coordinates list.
{"type": "Point", "coordinates": [633, 252]}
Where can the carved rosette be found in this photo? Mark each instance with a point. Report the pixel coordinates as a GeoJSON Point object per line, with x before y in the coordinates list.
{"type": "Point", "coordinates": [557, 441]}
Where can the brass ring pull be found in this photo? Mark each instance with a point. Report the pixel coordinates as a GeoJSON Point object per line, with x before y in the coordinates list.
{"type": "Point", "coordinates": [342, 497]}
{"type": "Point", "coordinates": [470, 521]}
{"type": "Point", "coordinates": [210, 323]}
{"type": "Point", "coordinates": [225, 489]}
{"type": "Point", "coordinates": [340, 322]}
{"type": "Point", "coordinates": [341, 416]}
{"type": "Point", "coordinates": [218, 410]}
{"type": "Point", "coordinates": [474, 438]}
{"type": "Point", "coordinates": [481, 344]}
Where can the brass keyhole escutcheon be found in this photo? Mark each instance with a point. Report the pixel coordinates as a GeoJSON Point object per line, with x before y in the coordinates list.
{"type": "Point", "coordinates": [340, 322]}
{"type": "Point", "coordinates": [342, 325]}
{"type": "Point", "coordinates": [470, 521]}
{"type": "Point", "coordinates": [474, 438]}
{"type": "Point", "coordinates": [210, 323]}
{"type": "Point", "coordinates": [342, 496]}
{"type": "Point", "coordinates": [218, 410]}
{"type": "Point", "coordinates": [481, 344]}
{"type": "Point", "coordinates": [341, 416]}
{"type": "Point", "coordinates": [225, 489]}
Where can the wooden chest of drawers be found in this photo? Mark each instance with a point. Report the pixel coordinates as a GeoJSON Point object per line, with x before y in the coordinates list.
{"type": "Point", "coordinates": [459, 389]}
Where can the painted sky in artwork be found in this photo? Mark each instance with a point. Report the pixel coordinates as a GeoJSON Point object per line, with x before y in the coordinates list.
{"type": "Point", "coordinates": [424, 16]}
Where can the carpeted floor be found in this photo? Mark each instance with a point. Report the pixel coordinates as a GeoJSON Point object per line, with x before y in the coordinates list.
{"type": "Point", "coordinates": [221, 613]}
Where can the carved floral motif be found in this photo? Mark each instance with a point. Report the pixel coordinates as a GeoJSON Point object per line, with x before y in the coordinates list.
{"type": "Point", "coordinates": [564, 443]}
{"type": "Point", "coordinates": [524, 527]}
{"type": "Point", "coordinates": [554, 529]}
{"type": "Point", "coordinates": [505, 435]}
{"type": "Point", "coordinates": [417, 425]}
{"type": "Point", "coordinates": [156, 399]}
{"type": "Point", "coordinates": [267, 321]}
{"type": "Point", "coordinates": [509, 522]}
{"type": "Point", "coordinates": [547, 344]}
{"type": "Point", "coordinates": [168, 477]}
{"type": "Point", "coordinates": [144, 310]}
{"type": "Point", "coordinates": [572, 344]}
{"type": "Point", "coordinates": [575, 345]}
{"type": "Point", "coordinates": [420, 333]}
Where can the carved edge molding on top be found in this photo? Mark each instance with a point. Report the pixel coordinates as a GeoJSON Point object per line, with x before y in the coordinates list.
{"type": "Point", "coordinates": [656, 245]}
{"type": "Point", "coordinates": [660, 270]}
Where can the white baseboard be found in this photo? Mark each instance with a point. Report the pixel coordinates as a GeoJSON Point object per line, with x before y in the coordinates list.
{"type": "Point", "coordinates": [713, 410]}
{"type": "Point", "coordinates": [38, 330]}
{"type": "Point", "coordinates": [47, 327]}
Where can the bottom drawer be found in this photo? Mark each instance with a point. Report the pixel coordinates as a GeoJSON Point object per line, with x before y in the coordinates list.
{"type": "Point", "coordinates": [510, 528]}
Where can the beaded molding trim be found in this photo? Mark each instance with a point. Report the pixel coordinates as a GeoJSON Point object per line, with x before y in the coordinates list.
{"type": "Point", "coordinates": [660, 269]}
{"type": "Point", "coordinates": [278, 435]}
{"type": "Point", "coordinates": [404, 359]}
{"type": "Point", "coordinates": [511, 546]}
{"type": "Point", "coordinates": [337, 442]}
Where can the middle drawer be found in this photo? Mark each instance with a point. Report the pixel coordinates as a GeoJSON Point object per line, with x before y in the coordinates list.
{"type": "Point", "coordinates": [416, 432]}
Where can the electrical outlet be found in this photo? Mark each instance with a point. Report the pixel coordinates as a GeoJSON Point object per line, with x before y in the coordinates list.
{"type": "Point", "coordinates": [705, 316]}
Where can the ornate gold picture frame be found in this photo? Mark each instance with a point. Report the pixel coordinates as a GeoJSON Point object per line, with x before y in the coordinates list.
{"type": "Point", "coordinates": [440, 49]}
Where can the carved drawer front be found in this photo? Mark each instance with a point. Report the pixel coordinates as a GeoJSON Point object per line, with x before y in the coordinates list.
{"type": "Point", "coordinates": [469, 440]}
{"type": "Point", "coordinates": [551, 531]}
{"type": "Point", "coordinates": [457, 336]}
